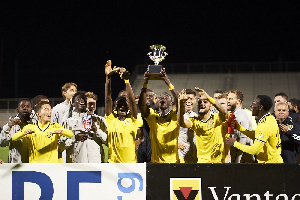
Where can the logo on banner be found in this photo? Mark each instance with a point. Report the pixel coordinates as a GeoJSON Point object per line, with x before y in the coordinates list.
{"type": "Point", "coordinates": [185, 189]}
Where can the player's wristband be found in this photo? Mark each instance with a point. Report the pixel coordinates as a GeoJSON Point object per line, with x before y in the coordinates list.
{"type": "Point", "coordinates": [126, 80]}
{"type": "Point", "coordinates": [171, 87]}
{"type": "Point", "coordinates": [211, 100]}
{"type": "Point", "coordinates": [145, 86]}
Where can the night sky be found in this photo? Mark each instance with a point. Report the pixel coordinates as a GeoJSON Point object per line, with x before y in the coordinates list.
{"type": "Point", "coordinates": [47, 43]}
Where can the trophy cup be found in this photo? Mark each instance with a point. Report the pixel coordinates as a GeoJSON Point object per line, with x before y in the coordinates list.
{"type": "Point", "coordinates": [157, 55]}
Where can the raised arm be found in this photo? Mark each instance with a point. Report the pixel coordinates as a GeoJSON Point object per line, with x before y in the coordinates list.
{"type": "Point", "coordinates": [64, 132]}
{"type": "Point", "coordinates": [205, 96]}
{"type": "Point", "coordinates": [130, 96]}
{"type": "Point", "coordinates": [145, 111]}
{"type": "Point", "coordinates": [108, 100]}
{"type": "Point", "coordinates": [182, 98]}
{"type": "Point", "coordinates": [21, 134]}
{"type": "Point", "coordinates": [171, 87]}
{"type": "Point", "coordinates": [248, 133]}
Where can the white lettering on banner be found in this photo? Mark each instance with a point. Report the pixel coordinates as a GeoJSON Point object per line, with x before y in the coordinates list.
{"type": "Point", "coordinates": [249, 196]}
{"type": "Point", "coordinates": [73, 181]}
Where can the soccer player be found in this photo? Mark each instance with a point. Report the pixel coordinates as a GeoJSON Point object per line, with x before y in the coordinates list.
{"type": "Point", "coordinates": [215, 96]}
{"type": "Point", "coordinates": [234, 105]}
{"type": "Point", "coordinates": [267, 142]}
{"type": "Point", "coordinates": [42, 136]}
{"type": "Point", "coordinates": [18, 152]}
{"type": "Point", "coordinates": [89, 133]}
{"type": "Point", "coordinates": [35, 101]}
{"type": "Point", "coordinates": [207, 127]}
{"type": "Point", "coordinates": [164, 129]}
{"type": "Point", "coordinates": [121, 124]}
{"type": "Point", "coordinates": [61, 110]}
{"type": "Point", "coordinates": [144, 146]}
{"type": "Point", "coordinates": [68, 90]}
{"type": "Point", "coordinates": [186, 148]}
{"type": "Point", "coordinates": [222, 101]}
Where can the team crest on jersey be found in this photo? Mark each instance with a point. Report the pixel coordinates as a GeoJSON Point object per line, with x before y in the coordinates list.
{"type": "Point", "coordinates": [290, 127]}
{"type": "Point", "coordinates": [126, 121]}
{"type": "Point", "coordinates": [210, 123]}
{"type": "Point", "coordinates": [185, 188]}
{"type": "Point", "coordinates": [49, 134]}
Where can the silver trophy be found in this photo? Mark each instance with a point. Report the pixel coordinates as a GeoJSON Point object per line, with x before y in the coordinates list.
{"type": "Point", "coordinates": [157, 54]}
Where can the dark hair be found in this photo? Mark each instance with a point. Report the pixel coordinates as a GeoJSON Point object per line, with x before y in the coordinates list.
{"type": "Point", "coordinates": [24, 99]}
{"type": "Point", "coordinates": [190, 91]}
{"type": "Point", "coordinates": [284, 95]}
{"type": "Point", "coordinates": [121, 92]}
{"type": "Point", "coordinates": [37, 99]}
{"type": "Point", "coordinates": [265, 101]}
{"type": "Point", "coordinates": [79, 93]}
{"type": "Point", "coordinates": [295, 102]}
{"type": "Point", "coordinates": [118, 100]}
{"type": "Point", "coordinates": [238, 93]}
{"type": "Point", "coordinates": [38, 106]}
{"type": "Point", "coordinates": [149, 90]}
{"type": "Point", "coordinates": [167, 94]}
{"type": "Point", "coordinates": [222, 96]}
{"type": "Point", "coordinates": [218, 91]}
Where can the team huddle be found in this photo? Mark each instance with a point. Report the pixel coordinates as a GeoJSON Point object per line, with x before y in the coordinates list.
{"type": "Point", "coordinates": [153, 128]}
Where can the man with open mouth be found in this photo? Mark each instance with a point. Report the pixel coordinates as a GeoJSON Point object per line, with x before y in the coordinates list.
{"type": "Point", "coordinates": [18, 152]}
{"type": "Point", "coordinates": [208, 127]}
{"type": "Point", "coordinates": [42, 137]}
{"type": "Point", "coordinates": [164, 129]}
{"type": "Point", "coordinates": [122, 123]}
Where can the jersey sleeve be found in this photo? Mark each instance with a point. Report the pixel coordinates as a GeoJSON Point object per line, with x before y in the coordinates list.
{"type": "Point", "coordinates": [254, 149]}
{"type": "Point", "coordinates": [19, 135]}
{"type": "Point", "coordinates": [260, 139]}
{"type": "Point", "coordinates": [151, 118]}
{"type": "Point", "coordinates": [66, 132]}
{"type": "Point", "coordinates": [101, 129]}
{"type": "Point", "coordinates": [193, 122]}
{"type": "Point", "coordinates": [55, 115]}
{"type": "Point", "coordinates": [139, 120]}
{"type": "Point", "coordinates": [248, 133]}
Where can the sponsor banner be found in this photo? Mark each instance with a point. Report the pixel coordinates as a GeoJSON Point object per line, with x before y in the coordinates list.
{"type": "Point", "coordinates": [73, 181]}
{"type": "Point", "coordinates": [223, 181]}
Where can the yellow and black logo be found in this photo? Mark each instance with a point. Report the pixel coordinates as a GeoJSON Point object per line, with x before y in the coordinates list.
{"type": "Point", "coordinates": [185, 189]}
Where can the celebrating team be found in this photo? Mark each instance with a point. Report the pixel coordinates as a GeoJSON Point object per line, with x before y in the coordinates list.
{"type": "Point", "coordinates": [160, 129]}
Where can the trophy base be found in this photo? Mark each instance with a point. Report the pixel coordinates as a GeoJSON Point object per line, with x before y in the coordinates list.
{"type": "Point", "coordinates": [154, 72]}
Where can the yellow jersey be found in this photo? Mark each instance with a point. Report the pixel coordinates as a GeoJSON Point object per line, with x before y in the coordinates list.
{"type": "Point", "coordinates": [267, 143]}
{"type": "Point", "coordinates": [42, 144]}
{"type": "Point", "coordinates": [121, 138]}
{"type": "Point", "coordinates": [209, 139]}
{"type": "Point", "coordinates": [164, 132]}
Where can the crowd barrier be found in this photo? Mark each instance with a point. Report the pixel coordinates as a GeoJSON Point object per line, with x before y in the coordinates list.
{"type": "Point", "coordinates": [150, 181]}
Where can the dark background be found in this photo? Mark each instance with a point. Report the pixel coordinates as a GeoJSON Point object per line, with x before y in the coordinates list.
{"type": "Point", "coordinates": [241, 178]}
{"type": "Point", "coordinates": [47, 43]}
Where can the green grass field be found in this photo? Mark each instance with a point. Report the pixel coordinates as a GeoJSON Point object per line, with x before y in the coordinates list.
{"type": "Point", "coordinates": [4, 153]}
{"type": "Point", "coordinates": [106, 152]}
